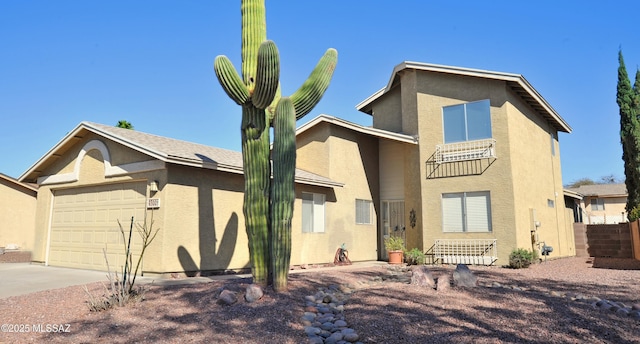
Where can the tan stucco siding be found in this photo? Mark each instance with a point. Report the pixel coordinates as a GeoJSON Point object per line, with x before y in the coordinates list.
{"type": "Point", "coordinates": [391, 107]}
{"type": "Point", "coordinates": [537, 180]}
{"type": "Point", "coordinates": [614, 209]}
{"type": "Point", "coordinates": [392, 170]}
{"type": "Point", "coordinates": [437, 91]}
{"type": "Point", "coordinates": [203, 225]}
{"type": "Point", "coordinates": [65, 159]}
{"type": "Point", "coordinates": [17, 215]}
{"type": "Point", "coordinates": [352, 159]}
{"type": "Point", "coordinates": [312, 150]}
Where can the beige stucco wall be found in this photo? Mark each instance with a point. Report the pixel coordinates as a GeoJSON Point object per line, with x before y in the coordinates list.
{"type": "Point", "coordinates": [17, 215]}
{"type": "Point", "coordinates": [515, 186]}
{"type": "Point", "coordinates": [537, 180]}
{"type": "Point", "coordinates": [346, 157]}
{"type": "Point", "coordinates": [92, 172]}
{"type": "Point", "coordinates": [204, 224]}
{"type": "Point", "coordinates": [614, 208]}
{"type": "Point", "coordinates": [200, 220]}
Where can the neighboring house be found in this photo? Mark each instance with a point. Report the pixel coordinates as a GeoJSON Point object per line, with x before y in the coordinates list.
{"type": "Point", "coordinates": [17, 214]}
{"type": "Point", "coordinates": [601, 203]}
{"type": "Point", "coordinates": [486, 169]}
{"type": "Point", "coordinates": [99, 175]}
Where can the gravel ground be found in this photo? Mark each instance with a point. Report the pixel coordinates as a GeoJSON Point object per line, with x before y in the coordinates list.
{"type": "Point", "coordinates": [383, 312]}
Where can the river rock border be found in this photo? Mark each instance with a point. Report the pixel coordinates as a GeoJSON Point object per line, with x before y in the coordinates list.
{"type": "Point", "coordinates": [324, 320]}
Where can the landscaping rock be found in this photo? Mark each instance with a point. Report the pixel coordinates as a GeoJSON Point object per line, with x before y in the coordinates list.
{"type": "Point", "coordinates": [253, 293]}
{"type": "Point", "coordinates": [444, 283]}
{"type": "Point", "coordinates": [227, 297]}
{"type": "Point", "coordinates": [422, 277]}
{"type": "Point", "coordinates": [463, 277]}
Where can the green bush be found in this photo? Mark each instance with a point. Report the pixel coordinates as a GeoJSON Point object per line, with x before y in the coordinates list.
{"type": "Point", "coordinates": [522, 258]}
{"type": "Point", "coordinates": [634, 214]}
{"type": "Point", "coordinates": [414, 257]}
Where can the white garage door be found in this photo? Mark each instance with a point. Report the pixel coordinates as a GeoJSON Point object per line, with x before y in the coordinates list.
{"type": "Point", "coordinates": [85, 221]}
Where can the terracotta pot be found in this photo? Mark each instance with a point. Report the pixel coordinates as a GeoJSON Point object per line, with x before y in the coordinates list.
{"type": "Point", "coordinates": [396, 257]}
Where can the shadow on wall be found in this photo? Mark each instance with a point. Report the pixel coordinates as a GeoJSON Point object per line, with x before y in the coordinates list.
{"type": "Point", "coordinates": [210, 259]}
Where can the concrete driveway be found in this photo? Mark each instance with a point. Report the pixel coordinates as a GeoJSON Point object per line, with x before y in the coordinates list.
{"type": "Point", "coordinates": [25, 278]}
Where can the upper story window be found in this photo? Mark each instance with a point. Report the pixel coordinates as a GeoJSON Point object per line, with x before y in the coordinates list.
{"type": "Point", "coordinates": [467, 122]}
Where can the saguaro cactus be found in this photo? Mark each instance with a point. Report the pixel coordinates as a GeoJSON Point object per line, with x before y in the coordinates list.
{"type": "Point", "coordinates": [268, 208]}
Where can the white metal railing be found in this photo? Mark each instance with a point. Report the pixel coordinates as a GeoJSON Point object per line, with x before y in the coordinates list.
{"type": "Point", "coordinates": [466, 251]}
{"type": "Point", "coordinates": [605, 219]}
{"type": "Point", "coordinates": [467, 150]}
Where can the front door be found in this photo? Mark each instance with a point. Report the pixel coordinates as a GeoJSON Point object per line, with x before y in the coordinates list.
{"type": "Point", "coordinates": [392, 223]}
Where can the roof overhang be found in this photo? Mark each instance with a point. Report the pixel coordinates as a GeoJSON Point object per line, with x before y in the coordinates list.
{"type": "Point", "coordinates": [572, 194]}
{"type": "Point", "coordinates": [80, 131]}
{"type": "Point", "coordinates": [516, 82]}
{"type": "Point", "coordinates": [18, 183]}
{"type": "Point", "coordinates": [384, 134]}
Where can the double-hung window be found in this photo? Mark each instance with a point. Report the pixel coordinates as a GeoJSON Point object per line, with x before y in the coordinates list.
{"type": "Point", "coordinates": [312, 213]}
{"type": "Point", "coordinates": [597, 204]}
{"type": "Point", "coordinates": [467, 122]}
{"type": "Point", "coordinates": [466, 212]}
{"type": "Point", "coordinates": [363, 212]}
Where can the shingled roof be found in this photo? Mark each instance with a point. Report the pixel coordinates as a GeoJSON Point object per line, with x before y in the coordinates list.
{"type": "Point", "coordinates": [167, 150]}
{"type": "Point", "coordinates": [602, 190]}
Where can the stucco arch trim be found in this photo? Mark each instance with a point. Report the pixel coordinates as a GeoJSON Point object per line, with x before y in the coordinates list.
{"type": "Point", "coordinates": [109, 170]}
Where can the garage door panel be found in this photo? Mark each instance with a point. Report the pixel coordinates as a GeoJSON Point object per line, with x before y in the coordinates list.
{"type": "Point", "coordinates": [85, 221]}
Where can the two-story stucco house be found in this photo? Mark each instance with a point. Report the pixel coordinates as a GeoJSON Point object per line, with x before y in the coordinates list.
{"type": "Point", "coordinates": [460, 162]}
{"type": "Point", "coordinates": [486, 169]}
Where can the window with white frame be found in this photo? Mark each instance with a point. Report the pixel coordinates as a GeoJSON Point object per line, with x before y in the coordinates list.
{"type": "Point", "coordinates": [466, 212]}
{"type": "Point", "coordinates": [312, 213]}
{"type": "Point", "coordinates": [597, 204]}
{"type": "Point", "coordinates": [363, 212]}
{"type": "Point", "coordinates": [467, 122]}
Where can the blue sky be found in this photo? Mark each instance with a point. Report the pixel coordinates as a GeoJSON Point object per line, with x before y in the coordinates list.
{"type": "Point", "coordinates": [150, 62]}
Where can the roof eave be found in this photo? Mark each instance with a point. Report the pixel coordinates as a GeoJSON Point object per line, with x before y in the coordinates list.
{"type": "Point", "coordinates": [358, 128]}
{"type": "Point", "coordinates": [556, 119]}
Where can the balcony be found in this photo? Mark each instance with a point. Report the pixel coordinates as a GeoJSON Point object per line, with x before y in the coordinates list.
{"type": "Point", "coordinates": [465, 151]}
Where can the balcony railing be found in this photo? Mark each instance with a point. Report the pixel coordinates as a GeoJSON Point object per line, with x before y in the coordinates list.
{"type": "Point", "coordinates": [467, 150]}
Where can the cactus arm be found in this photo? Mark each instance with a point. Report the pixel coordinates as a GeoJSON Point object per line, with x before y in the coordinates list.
{"type": "Point", "coordinates": [230, 80]}
{"type": "Point", "coordinates": [267, 75]}
{"type": "Point", "coordinates": [309, 94]}
{"type": "Point", "coordinates": [282, 191]}
{"type": "Point", "coordinates": [254, 32]}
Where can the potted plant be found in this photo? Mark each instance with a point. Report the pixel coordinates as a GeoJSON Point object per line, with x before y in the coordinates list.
{"type": "Point", "coordinates": [395, 249]}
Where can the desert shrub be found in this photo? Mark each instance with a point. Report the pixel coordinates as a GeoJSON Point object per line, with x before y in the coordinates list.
{"type": "Point", "coordinates": [121, 290]}
{"type": "Point", "coordinates": [414, 256]}
{"type": "Point", "coordinates": [521, 258]}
